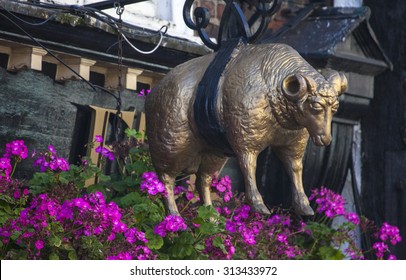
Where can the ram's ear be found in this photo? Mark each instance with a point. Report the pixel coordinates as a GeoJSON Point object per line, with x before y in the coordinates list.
{"type": "Point", "coordinates": [343, 83]}
{"type": "Point", "coordinates": [337, 79]}
{"type": "Point", "coordinates": [294, 87]}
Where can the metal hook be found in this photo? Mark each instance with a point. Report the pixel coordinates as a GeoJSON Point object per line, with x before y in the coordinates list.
{"type": "Point", "coordinates": [163, 29]}
{"type": "Point", "coordinates": [234, 23]}
{"type": "Point", "coordinates": [119, 8]}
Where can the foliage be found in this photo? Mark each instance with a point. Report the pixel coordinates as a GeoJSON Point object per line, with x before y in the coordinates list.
{"type": "Point", "coordinates": [57, 216]}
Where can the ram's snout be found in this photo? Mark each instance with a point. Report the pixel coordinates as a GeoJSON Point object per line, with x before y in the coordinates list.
{"type": "Point", "coordinates": [321, 140]}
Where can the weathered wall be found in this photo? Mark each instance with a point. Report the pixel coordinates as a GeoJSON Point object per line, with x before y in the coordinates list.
{"type": "Point", "coordinates": [42, 112]}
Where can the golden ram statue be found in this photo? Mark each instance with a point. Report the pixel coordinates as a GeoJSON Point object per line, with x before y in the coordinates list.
{"type": "Point", "coordinates": [268, 95]}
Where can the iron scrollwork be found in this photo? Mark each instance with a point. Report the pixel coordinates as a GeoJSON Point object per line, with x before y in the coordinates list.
{"type": "Point", "coordinates": [234, 23]}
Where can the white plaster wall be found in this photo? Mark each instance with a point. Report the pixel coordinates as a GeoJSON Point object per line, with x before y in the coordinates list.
{"type": "Point", "coordinates": [347, 3]}
{"type": "Point", "coordinates": [151, 14]}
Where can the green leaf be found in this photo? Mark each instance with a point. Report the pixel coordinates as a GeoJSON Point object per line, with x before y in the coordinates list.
{"type": "Point", "coordinates": [64, 178]}
{"type": "Point", "coordinates": [55, 241]}
{"type": "Point", "coordinates": [135, 150]}
{"type": "Point", "coordinates": [97, 188]}
{"type": "Point", "coordinates": [185, 251]}
{"type": "Point", "coordinates": [6, 199]}
{"type": "Point", "coordinates": [15, 235]}
{"type": "Point", "coordinates": [72, 255]}
{"type": "Point", "coordinates": [320, 231]}
{"type": "Point", "coordinates": [330, 253]}
{"type": "Point", "coordinates": [119, 186]}
{"type": "Point", "coordinates": [217, 241]}
{"type": "Point", "coordinates": [164, 256]}
{"type": "Point", "coordinates": [181, 251]}
{"type": "Point", "coordinates": [67, 246]}
{"type": "Point", "coordinates": [56, 227]}
{"type": "Point", "coordinates": [37, 189]}
{"type": "Point", "coordinates": [88, 173]}
{"type": "Point", "coordinates": [3, 219]}
{"type": "Point", "coordinates": [138, 167]}
{"type": "Point", "coordinates": [5, 206]}
{"type": "Point", "coordinates": [207, 212]}
{"type": "Point", "coordinates": [130, 199]}
{"type": "Point", "coordinates": [198, 220]}
{"type": "Point", "coordinates": [200, 247]}
{"type": "Point", "coordinates": [92, 248]}
{"type": "Point", "coordinates": [104, 178]}
{"type": "Point", "coordinates": [141, 207]}
{"type": "Point", "coordinates": [154, 241]}
{"type": "Point", "coordinates": [207, 228]}
{"type": "Point", "coordinates": [130, 132]}
{"type": "Point", "coordinates": [186, 238]}
{"type": "Point", "coordinates": [154, 219]}
{"type": "Point", "coordinates": [53, 256]}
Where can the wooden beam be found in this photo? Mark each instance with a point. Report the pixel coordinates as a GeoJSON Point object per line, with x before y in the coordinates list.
{"type": "Point", "coordinates": [102, 5]}
{"type": "Point", "coordinates": [29, 57]}
{"type": "Point", "coordinates": [129, 78]}
{"type": "Point", "coordinates": [80, 65]}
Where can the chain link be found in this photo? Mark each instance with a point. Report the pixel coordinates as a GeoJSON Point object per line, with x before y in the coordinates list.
{"type": "Point", "coordinates": [119, 12]}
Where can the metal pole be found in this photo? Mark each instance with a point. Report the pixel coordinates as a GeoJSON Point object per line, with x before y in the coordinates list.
{"type": "Point", "coordinates": [107, 4]}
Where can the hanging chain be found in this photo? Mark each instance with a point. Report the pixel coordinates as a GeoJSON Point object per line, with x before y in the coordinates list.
{"type": "Point", "coordinates": [119, 12]}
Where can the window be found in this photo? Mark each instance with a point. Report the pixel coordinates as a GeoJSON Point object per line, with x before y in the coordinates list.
{"type": "Point", "coordinates": [97, 78]}
{"type": "Point", "coordinates": [49, 69]}
{"type": "Point", "coordinates": [92, 121]}
{"type": "Point", "coordinates": [4, 60]}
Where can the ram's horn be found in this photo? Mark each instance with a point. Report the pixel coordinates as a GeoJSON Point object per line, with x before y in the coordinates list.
{"type": "Point", "coordinates": [337, 79]}
{"type": "Point", "coordinates": [294, 87]}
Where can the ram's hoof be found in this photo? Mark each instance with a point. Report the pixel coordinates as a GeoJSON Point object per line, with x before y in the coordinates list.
{"type": "Point", "coordinates": [304, 210]}
{"type": "Point", "coordinates": [260, 208]}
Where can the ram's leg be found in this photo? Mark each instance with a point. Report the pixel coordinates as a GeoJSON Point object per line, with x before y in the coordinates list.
{"type": "Point", "coordinates": [248, 165]}
{"type": "Point", "coordinates": [292, 160]}
{"type": "Point", "coordinates": [170, 204]}
{"type": "Point", "coordinates": [210, 165]}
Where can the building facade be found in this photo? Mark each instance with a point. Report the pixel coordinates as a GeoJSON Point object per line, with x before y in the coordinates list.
{"type": "Point", "coordinates": [44, 102]}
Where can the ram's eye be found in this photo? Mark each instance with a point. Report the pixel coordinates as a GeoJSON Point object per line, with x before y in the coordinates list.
{"type": "Point", "coordinates": [316, 106]}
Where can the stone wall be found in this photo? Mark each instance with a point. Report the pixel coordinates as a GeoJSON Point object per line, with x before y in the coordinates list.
{"type": "Point", "coordinates": [43, 112]}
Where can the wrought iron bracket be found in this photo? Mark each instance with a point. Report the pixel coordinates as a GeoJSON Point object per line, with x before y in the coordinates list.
{"type": "Point", "coordinates": [234, 23]}
{"type": "Point", "coordinates": [235, 31]}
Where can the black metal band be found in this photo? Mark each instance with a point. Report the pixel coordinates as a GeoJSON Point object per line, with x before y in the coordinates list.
{"type": "Point", "coordinates": [205, 104]}
{"type": "Point", "coordinates": [235, 30]}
